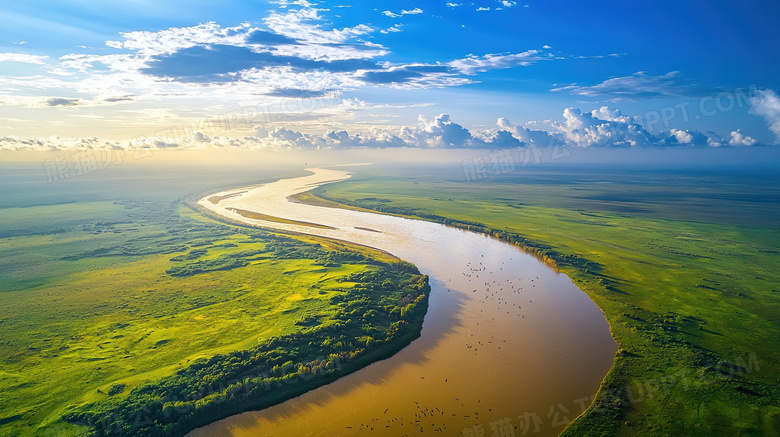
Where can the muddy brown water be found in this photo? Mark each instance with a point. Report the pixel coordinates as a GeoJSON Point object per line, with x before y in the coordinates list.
{"type": "Point", "coordinates": [506, 342]}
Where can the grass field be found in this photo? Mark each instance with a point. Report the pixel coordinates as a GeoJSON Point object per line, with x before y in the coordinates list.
{"type": "Point", "coordinates": [98, 298]}
{"type": "Point", "coordinates": [684, 265]}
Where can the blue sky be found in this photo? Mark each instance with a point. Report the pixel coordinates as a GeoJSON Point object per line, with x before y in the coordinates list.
{"type": "Point", "coordinates": [663, 73]}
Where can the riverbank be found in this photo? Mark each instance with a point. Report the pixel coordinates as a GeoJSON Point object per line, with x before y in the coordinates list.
{"type": "Point", "coordinates": [102, 300]}
{"type": "Point", "coordinates": [491, 307]}
{"type": "Point", "coordinates": [692, 315]}
{"type": "Point", "coordinates": [375, 308]}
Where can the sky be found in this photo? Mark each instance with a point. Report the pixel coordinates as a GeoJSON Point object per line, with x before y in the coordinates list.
{"type": "Point", "coordinates": [328, 74]}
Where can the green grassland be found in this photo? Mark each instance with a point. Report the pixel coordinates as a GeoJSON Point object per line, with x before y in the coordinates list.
{"type": "Point", "coordinates": [683, 264]}
{"type": "Point", "coordinates": [141, 317]}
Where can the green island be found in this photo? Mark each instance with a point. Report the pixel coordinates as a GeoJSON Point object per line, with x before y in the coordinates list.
{"type": "Point", "coordinates": [150, 318]}
{"type": "Point", "coordinates": [683, 265]}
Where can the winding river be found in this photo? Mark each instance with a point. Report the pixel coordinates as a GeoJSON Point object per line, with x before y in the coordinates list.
{"type": "Point", "coordinates": [507, 342]}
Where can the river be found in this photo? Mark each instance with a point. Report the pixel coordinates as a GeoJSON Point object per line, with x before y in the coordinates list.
{"type": "Point", "coordinates": [506, 342]}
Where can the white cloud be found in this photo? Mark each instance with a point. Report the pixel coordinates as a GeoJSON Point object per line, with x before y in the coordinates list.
{"type": "Point", "coordinates": [714, 141]}
{"type": "Point", "coordinates": [287, 3]}
{"type": "Point", "coordinates": [306, 25]}
{"type": "Point", "coordinates": [453, 5]}
{"type": "Point", "coordinates": [587, 130]}
{"type": "Point", "coordinates": [57, 144]}
{"type": "Point", "coordinates": [105, 79]}
{"type": "Point", "coordinates": [603, 127]}
{"type": "Point", "coordinates": [437, 132]}
{"type": "Point", "coordinates": [604, 113]}
{"type": "Point", "coordinates": [535, 137]}
{"type": "Point", "coordinates": [414, 11]}
{"type": "Point", "coordinates": [148, 43]}
{"type": "Point", "coordinates": [682, 136]}
{"type": "Point", "coordinates": [766, 103]}
{"type": "Point", "coordinates": [430, 132]}
{"type": "Point", "coordinates": [477, 64]}
{"type": "Point", "coordinates": [295, 50]}
{"type": "Point", "coordinates": [393, 29]}
{"type": "Point", "coordinates": [579, 129]}
{"type": "Point", "coordinates": [740, 139]}
{"type": "Point", "coordinates": [502, 4]}
{"type": "Point", "coordinates": [637, 86]}
{"type": "Point", "coordinates": [22, 57]}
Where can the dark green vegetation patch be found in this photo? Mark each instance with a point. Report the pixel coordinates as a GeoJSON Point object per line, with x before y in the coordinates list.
{"type": "Point", "coordinates": [138, 318]}
{"type": "Point", "coordinates": [377, 315]}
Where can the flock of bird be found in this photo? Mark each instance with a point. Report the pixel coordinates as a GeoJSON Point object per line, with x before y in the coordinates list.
{"type": "Point", "coordinates": [501, 298]}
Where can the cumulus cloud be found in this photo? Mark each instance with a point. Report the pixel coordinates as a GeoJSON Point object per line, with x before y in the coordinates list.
{"type": "Point", "coordinates": [606, 127]}
{"type": "Point", "coordinates": [602, 127]}
{"type": "Point", "coordinates": [638, 86]}
{"type": "Point", "coordinates": [714, 140]}
{"type": "Point", "coordinates": [679, 137]}
{"type": "Point", "coordinates": [525, 135]}
{"type": "Point", "coordinates": [22, 57]}
{"type": "Point", "coordinates": [430, 132]}
{"type": "Point", "coordinates": [287, 139]}
{"type": "Point", "coordinates": [604, 113]}
{"type": "Point", "coordinates": [615, 130]}
{"type": "Point", "coordinates": [766, 103]}
{"type": "Point", "coordinates": [740, 139]}
{"type": "Point", "coordinates": [294, 48]}
{"type": "Point", "coordinates": [437, 132]}
{"type": "Point", "coordinates": [211, 61]}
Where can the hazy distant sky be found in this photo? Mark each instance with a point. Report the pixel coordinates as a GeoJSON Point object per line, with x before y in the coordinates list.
{"type": "Point", "coordinates": [631, 73]}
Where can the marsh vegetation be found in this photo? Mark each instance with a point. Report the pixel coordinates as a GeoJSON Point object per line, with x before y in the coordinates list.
{"type": "Point", "coordinates": [683, 264]}
{"type": "Point", "coordinates": [146, 317]}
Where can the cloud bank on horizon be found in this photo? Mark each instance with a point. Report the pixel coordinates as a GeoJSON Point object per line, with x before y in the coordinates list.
{"type": "Point", "coordinates": [86, 85]}
{"type": "Point", "coordinates": [603, 127]}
